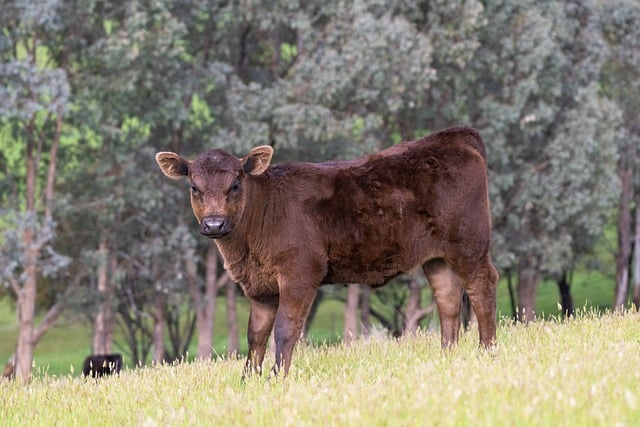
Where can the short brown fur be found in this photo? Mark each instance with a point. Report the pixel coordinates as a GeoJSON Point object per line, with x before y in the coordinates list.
{"type": "Point", "coordinates": [284, 230]}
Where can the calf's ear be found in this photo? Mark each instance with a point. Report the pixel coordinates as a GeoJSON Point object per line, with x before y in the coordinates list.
{"type": "Point", "coordinates": [258, 159]}
{"type": "Point", "coordinates": [172, 165]}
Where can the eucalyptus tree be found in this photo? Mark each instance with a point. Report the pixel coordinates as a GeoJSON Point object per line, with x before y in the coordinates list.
{"type": "Point", "coordinates": [550, 133]}
{"type": "Point", "coordinates": [34, 99]}
{"type": "Point", "coordinates": [136, 96]}
{"type": "Point", "coordinates": [621, 80]}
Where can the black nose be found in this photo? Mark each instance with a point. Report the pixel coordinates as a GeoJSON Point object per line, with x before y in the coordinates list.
{"type": "Point", "coordinates": [214, 226]}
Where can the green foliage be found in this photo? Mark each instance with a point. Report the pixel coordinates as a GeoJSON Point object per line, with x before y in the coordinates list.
{"type": "Point", "coordinates": [550, 131]}
{"type": "Point", "coordinates": [543, 374]}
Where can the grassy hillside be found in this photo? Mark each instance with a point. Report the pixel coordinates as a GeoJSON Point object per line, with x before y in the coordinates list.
{"type": "Point", "coordinates": [581, 372]}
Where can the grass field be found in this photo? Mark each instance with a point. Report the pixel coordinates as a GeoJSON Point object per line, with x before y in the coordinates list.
{"type": "Point", "coordinates": [581, 372]}
{"type": "Point", "coordinates": [66, 345]}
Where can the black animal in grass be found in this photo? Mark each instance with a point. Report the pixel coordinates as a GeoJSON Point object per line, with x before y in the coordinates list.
{"type": "Point", "coordinates": [99, 365]}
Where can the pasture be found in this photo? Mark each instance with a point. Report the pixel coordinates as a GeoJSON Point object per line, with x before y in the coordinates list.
{"type": "Point", "coordinates": [63, 348]}
{"type": "Point", "coordinates": [550, 373]}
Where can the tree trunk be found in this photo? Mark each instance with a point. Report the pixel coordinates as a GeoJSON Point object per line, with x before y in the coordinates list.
{"type": "Point", "coordinates": [312, 314]}
{"type": "Point", "coordinates": [365, 311]}
{"type": "Point", "coordinates": [158, 328]}
{"type": "Point", "coordinates": [528, 279]}
{"type": "Point", "coordinates": [351, 314]}
{"type": "Point", "coordinates": [636, 259]}
{"type": "Point", "coordinates": [47, 321]}
{"type": "Point", "coordinates": [26, 295]}
{"type": "Point", "coordinates": [204, 303]}
{"type": "Point", "coordinates": [26, 312]}
{"type": "Point", "coordinates": [272, 343]}
{"type": "Point", "coordinates": [51, 174]}
{"type": "Point", "coordinates": [33, 244]}
{"type": "Point", "coordinates": [565, 295]}
{"type": "Point", "coordinates": [512, 297]}
{"type": "Point", "coordinates": [412, 317]}
{"type": "Point", "coordinates": [232, 319]}
{"type": "Point", "coordinates": [624, 238]}
{"type": "Point", "coordinates": [413, 304]}
{"type": "Point", "coordinates": [110, 312]}
{"type": "Point", "coordinates": [103, 326]}
{"type": "Point", "coordinates": [98, 344]}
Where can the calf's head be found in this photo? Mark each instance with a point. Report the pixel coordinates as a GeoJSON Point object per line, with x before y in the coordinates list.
{"type": "Point", "coordinates": [218, 184]}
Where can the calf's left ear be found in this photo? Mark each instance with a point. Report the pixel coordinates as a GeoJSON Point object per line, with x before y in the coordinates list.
{"type": "Point", "coordinates": [258, 159]}
{"type": "Point", "coordinates": [172, 165]}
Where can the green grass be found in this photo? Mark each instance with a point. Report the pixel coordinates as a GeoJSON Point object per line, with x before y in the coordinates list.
{"type": "Point", "coordinates": [589, 289]}
{"type": "Point", "coordinates": [549, 373]}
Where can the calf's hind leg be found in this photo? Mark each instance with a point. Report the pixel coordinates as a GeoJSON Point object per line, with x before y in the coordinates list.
{"type": "Point", "coordinates": [448, 295]}
{"type": "Point", "coordinates": [481, 289]}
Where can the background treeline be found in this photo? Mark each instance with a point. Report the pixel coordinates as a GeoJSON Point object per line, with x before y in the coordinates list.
{"type": "Point", "coordinates": [90, 90]}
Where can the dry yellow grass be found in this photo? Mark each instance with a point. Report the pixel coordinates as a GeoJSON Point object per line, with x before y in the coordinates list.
{"type": "Point", "coordinates": [583, 372]}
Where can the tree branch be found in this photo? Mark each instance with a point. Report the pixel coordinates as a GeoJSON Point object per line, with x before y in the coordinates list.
{"type": "Point", "coordinates": [15, 286]}
{"type": "Point", "coordinates": [422, 313]}
{"type": "Point", "coordinates": [51, 177]}
{"type": "Point", "coordinates": [54, 312]}
{"type": "Point", "coordinates": [223, 281]}
{"type": "Point", "coordinates": [49, 320]}
{"type": "Point", "coordinates": [387, 325]}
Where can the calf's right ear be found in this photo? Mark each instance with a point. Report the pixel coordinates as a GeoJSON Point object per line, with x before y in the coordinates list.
{"type": "Point", "coordinates": [172, 165]}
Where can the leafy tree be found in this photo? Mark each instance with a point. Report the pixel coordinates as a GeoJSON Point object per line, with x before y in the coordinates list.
{"type": "Point", "coordinates": [155, 80]}
{"type": "Point", "coordinates": [550, 133]}
{"type": "Point", "coordinates": [34, 98]}
{"type": "Point", "coordinates": [621, 80]}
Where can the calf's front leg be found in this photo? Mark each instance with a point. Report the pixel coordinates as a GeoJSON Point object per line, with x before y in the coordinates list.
{"type": "Point", "coordinates": [293, 309]}
{"type": "Point", "coordinates": [262, 314]}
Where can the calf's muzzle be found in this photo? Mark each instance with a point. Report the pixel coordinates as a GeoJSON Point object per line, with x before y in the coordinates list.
{"type": "Point", "coordinates": [214, 226]}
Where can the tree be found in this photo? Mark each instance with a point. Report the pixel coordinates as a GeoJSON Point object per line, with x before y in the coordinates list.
{"type": "Point", "coordinates": [359, 68]}
{"type": "Point", "coordinates": [134, 85]}
{"type": "Point", "coordinates": [204, 299]}
{"type": "Point", "coordinates": [35, 95]}
{"type": "Point", "coordinates": [636, 261]}
{"type": "Point", "coordinates": [620, 77]}
{"type": "Point", "coordinates": [550, 134]}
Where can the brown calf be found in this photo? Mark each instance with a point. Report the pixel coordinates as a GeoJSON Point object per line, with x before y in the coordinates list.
{"type": "Point", "coordinates": [284, 230]}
